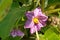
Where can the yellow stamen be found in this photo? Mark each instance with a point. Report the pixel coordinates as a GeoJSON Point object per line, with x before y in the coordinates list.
{"type": "Point", "coordinates": [35, 20]}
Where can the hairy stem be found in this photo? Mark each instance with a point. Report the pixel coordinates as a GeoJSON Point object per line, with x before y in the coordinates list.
{"type": "Point", "coordinates": [37, 35]}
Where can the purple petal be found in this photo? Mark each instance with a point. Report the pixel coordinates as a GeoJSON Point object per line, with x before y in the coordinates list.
{"type": "Point", "coordinates": [29, 15]}
{"type": "Point", "coordinates": [13, 33]}
{"type": "Point", "coordinates": [19, 33]}
{"type": "Point", "coordinates": [36, 12]}
{"type": "Point", "coordinates": [29, 24]}
{"type": "Point", "coordinates": [43, 17]}
{"type": "Point", "coordinates": [43, 22]}
{"type": "Point", "coordinates": [33, 29]}
{"type": "Point", "coordinates": [16, 32]}
{"type": "Point", "coordinates": [38, 26]}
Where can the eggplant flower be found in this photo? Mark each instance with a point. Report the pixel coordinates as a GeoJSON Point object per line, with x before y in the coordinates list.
{"type": "Point", "coordinates": [36, 20]}
{"type": "Point", "coordinates": [16, 32]}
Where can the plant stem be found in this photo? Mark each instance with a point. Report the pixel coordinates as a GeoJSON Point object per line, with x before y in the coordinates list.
{"type": "Point", "coordinates": [42, 5]}
{"type": "Point", "coordinates": [37, 35]}
{"type": "Point", "coordinates": [52, 11]}
{"type": "Point", "coordinates": [17, 23]}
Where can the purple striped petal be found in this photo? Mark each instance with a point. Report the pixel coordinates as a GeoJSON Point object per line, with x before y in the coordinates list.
{"type": "Point", "coordinates": [38, 26]}
{"type": "Point", "coordinates": [36, 12]}
{"type": "Point", "coordinates": [33, 29]}
{"type": "Point", "coordinates": [16, 32]}
{"type": "Point", "coordinates": [29, 24]}
{"type": "Point", "coordinates": [13, 33]}
{"type": "Point", "coordinates": [19, 33]}
{"type": "Point", "coordinates": [43, 22]}
{"type": "Point", "coordinates": [43, 17]}
{"type": "Point", "coordinates": [29, 15]}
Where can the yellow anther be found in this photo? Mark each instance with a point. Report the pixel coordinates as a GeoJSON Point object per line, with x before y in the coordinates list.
{"type": "Point", "coordinates": [35, 20]}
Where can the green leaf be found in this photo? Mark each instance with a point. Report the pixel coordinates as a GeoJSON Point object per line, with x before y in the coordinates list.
{"type": "Point", "coordinates": [4, 8]}
{"type": "Point", "coordinates": [51, 35]}
{"type": "Point", "coordinates": [42, 37]}
{"type": "Point", "coordinates": [13, 38]}
{"type": "Point", "coordinates": [45, 28]}
{"type": "Point", "coordinates": [25, 1]}
{"type": "Point", "coordinates": [53, 2]}
{"type": "Point", "coordinates": [8, 23]}
{"type": "Point", "coordinates": [59, 37]}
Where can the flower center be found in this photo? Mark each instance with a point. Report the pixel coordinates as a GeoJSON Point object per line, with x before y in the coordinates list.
{"type": "Point", "coordinates": [35, 20]}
